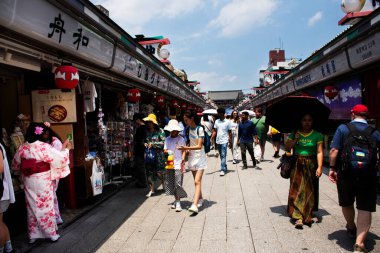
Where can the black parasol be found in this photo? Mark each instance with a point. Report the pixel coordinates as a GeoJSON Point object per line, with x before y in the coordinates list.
{"type": "Point", "coordinates": [286, 114]}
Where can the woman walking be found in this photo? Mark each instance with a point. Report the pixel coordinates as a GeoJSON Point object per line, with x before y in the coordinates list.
{"type": "Point", "coordinates": [307, 145]}
{"type": "Point", "coordinates": [7, 196]}
{"type": "Point", "coordinates": [154, 152]}
{"type": "Point", "coordinates": [197, 162]}
{"type": "Point", "coordinates": [40, 164]}
{"type": "Point", "coordinates": [174, 176]}
{"type": "Point", "coordinates": [235, 120]}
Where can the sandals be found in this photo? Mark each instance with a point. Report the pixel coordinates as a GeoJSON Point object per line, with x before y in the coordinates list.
{"type": "Point", "coordinates": [299, 224]}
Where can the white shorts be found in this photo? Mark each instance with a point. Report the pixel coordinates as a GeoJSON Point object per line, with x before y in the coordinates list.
{"type": "Point", "coordinates": [4, 204]}
{"type": "Point", "coordinates": [197, 163]}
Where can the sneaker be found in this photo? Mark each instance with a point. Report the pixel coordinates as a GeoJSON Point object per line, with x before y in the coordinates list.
{"type": "Point", "coordinates": [193, 209]}
{"type": "Point", "coordinates": [54, 238]}
{"type": "Point", "coordinates": [244, 167]}
{"type": "Point", "coordinates": [217, 154]}
{"type": "Point", "coordinates": [31, 241]}
{"type": "Point", "coordinates": [234, 161]}
{"type": "Point", "coordinates": [200, 203]}
{"type": "Point", "coordinates": [178, 207]}
{"type": "Point", "coordinates": [222, 173]}
{"type": "Point", "coordinates": [173, 206]}
{"type": "Point", "coordinates": [150, 193]}
{"type": "Point", "coordinates": [257, 161]}
{"type": "Point", "coordinates": [254, 165]}
{"type": "Point", "coordinates": [359, 249]}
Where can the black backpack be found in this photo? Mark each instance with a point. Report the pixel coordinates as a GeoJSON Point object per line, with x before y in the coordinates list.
{"type": "Point", "coordinates": [360, 151]}
{"type": "Point", "coordinates": [206, 138]}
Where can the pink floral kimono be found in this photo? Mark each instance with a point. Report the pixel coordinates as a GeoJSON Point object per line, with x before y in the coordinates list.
{"type": "Point", "coordinates": [39, 193]}
{"type": "Point", "coordinates": [57, 144]}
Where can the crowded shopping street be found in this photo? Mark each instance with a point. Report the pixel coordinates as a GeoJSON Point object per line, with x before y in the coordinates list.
{"type": "Point", "coordinates": [189, 126]}
{"type": "Point", "coordinates": [245, 211]}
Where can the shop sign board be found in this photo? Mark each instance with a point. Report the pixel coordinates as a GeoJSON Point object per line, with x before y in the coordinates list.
{"type": "Point", "coordinates": [42, 21]}
{"type": "Point", "coordinates": [277, 92]}
{"type": "Point", "coordinates": [349, 94]}
{"type": "Point", "coordinates": [325, 70]}
{"type": "Point", "coordinates": [287, 87]}
{"type": "Point", "coordinates": [54, 106]}
{"type": "Point", "coordinates": [365, 52]}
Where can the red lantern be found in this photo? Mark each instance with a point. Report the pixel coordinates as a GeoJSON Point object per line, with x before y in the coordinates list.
{"type": "Point", "coordinates": [183, 106]}
{"type": "Point", "coordinates": [160, 100]}
{"type": "Point", "coordinates": [200, 109]}
{"type": "Point", "coordinates": [191, 107]}
{"type": "Point", "coordinates": [174, 103]}
{"type": "Point", "coordinates": [331, 92]}
{"type": "Point", "coordinates": [133, 96]}
{"type": "Point", "coordinates": [66, 77]}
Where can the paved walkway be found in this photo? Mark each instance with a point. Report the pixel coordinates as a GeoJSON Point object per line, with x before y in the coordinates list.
{"type": "Point", "coordinates": [245, 212]}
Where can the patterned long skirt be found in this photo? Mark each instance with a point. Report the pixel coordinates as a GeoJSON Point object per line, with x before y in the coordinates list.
{"type": "Point", "coordinates": [303, 192]}
{"type": "Point", "coordinates": [173, 183]}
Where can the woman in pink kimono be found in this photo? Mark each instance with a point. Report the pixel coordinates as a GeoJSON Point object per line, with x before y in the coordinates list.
{"type": "Point", "coordinates": [39, 164]}
{"type": "Point", "coordinates": [54, 140]}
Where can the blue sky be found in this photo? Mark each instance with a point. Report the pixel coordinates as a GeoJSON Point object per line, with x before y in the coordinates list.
{"type": "Point", "coordinates": [224, 43]}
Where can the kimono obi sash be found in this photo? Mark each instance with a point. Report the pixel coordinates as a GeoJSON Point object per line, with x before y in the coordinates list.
{"type": "Point", "coordinates": [32, 166]}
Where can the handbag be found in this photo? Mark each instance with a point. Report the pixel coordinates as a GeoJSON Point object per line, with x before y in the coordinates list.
{"type": "Point", "coordinates": [150, 156]}
{"type": "Point", "coordinates": [286, 165]}
{"type": "Point", "coordinates": [96, 179]}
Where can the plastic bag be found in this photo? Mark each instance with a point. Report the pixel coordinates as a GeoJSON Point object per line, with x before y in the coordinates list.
{"type": "Point", "coordinates": [96, 179]}
{"type": "Point", "coordinates": [150, 156]}
{"type": "Point", "coordinates": [257, 151]}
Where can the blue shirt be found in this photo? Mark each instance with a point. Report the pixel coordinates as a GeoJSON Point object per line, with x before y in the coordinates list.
{"type": "Point", "coordinates": [343, 131]}
{"type": "Point", "coordinates": [246, 131]}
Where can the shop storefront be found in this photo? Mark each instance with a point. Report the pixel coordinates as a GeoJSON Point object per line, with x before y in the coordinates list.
{"type": "Point", "coordinates": [97, 113]}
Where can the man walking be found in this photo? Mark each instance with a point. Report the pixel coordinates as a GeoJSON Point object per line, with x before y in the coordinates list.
{"type": "Point", "coordinates": [354, 172]}
{"type": "Point", "coordinates": [261, 128]}
{"type": "Point", "coordinates": [222, 131]}
{"type": "Point", "coordinates": [246, 133]}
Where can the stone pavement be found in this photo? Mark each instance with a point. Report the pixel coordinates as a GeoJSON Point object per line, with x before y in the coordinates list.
{"type": "Point", "coordinates": [245, 212]}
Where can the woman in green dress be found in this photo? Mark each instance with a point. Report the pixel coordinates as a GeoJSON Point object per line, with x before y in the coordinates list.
{"type": "Point", "coordinates": [154, 144]}
{"type": "Point", "coordinates": [307, 145]}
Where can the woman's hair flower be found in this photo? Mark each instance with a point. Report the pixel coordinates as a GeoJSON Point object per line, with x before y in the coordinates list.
{"type": "Point", "coordinates": [38, 130]}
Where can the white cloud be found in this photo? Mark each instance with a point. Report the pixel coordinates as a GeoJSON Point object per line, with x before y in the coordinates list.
{"type": "Point", "coordinates": [213, 81]}
{"type": "Point", "coordinates": [214, 62]}
{"type": "Point", "coordinates": [133, 15]}
{"type": "Point", "coordinates": [315, 18]}
{"type": "Point", "coordinates": [240, 16]}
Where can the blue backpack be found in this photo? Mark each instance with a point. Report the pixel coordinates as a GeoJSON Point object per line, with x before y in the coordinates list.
{"type": "Point", "coordinates": [206, 139]}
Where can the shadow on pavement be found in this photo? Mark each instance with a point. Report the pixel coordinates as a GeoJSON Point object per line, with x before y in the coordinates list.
{"type": "Point", "coordinates": [347, 243]}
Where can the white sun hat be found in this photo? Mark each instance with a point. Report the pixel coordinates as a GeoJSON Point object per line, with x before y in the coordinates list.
{"type": "Point", "coordinates": [173, 125]}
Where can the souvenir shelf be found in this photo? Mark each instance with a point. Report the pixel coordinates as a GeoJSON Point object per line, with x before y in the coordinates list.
{"type": "Point", "coordinates": [114, 150]}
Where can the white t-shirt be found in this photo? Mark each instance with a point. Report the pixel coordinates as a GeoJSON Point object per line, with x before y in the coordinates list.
{"type": "Point", "coordinates": [234, 127]}
{"type": "Point", "coordinates": [194, 137]}
{"type": "Point", "coordinates": [172, 144]}
{"type": "Point", "coordinates": [89, 95]}
{"type": "Point", "coordinates": [222, 128]}
{"type": "Point", "coordinates": [208, 126]}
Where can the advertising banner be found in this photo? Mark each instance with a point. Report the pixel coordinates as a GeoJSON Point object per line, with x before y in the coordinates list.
{"type": "Point", "coordinates": [54, 106]}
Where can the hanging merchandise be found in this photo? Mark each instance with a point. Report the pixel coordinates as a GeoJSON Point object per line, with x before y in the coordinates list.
{"type": "Point", "coordinates": [66, 77]}
{"type": "Point", "coordinates": [124, 111]}
{"type": "Point", "coordinates": [97, 179]}
{"type": "Point", "coordinates": [89, 95]}
{"type": "Point", "coordinates": [160, 100]}
{"type": "Point", "coordinates": [134, 96]}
